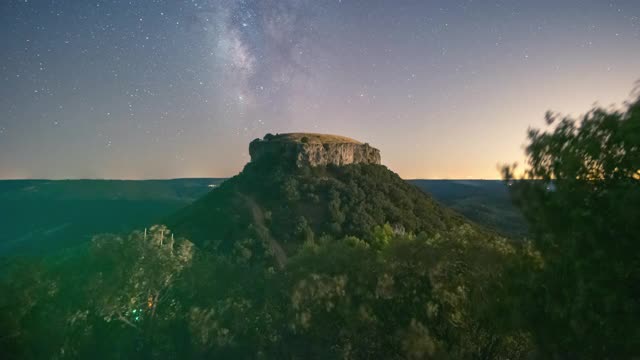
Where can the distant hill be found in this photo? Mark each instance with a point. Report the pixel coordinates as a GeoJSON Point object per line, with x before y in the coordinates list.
{"type": "Point", "coordinates": [132, 190]}
{"type": "Point", "coordinates": [486, 202]}
{"type": "Point", "coordinates": [274, 205]}
{"type": "Point", "coordinates": [45, 215]}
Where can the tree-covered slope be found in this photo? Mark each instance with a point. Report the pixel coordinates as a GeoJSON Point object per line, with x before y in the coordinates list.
{"type": "Point", "coordinates": [50, 215]}
{"type": "Point", "coordinates": [485, 202]}
{"type": "Point", "coordinates": [293, 205]}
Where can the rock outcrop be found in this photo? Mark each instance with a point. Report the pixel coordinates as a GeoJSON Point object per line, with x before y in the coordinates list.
{"type": "Point", "coordinates": [307, 149]}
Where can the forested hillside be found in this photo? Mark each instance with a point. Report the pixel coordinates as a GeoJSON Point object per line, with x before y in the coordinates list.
{"type": "Point", "coordinates": [49, 215]}
{"type": "Point", "coordinates": [370, 268]}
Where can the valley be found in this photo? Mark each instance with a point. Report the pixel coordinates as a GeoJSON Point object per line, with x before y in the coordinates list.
{"type": "Point", "coordinates": [48, 215]}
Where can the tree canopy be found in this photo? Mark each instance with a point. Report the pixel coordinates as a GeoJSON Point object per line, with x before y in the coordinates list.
{"type": "Point", "coordinates": [148, 295]}
{"type": "Point", "coordinates": [580, 195]}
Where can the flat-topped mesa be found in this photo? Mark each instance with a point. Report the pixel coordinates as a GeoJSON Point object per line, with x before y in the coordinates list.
{"type": "Point", "coordinates": [308, 149]}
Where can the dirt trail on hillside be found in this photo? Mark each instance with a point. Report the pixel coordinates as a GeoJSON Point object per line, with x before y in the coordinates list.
{"type": "Point", "coordinates": [263, 231]}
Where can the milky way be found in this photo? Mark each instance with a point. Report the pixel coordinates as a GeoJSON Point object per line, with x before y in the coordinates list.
{"type": "Point", "coordinates": [157, 89]}
{"type": "Point", "coordinates": [257, 48]}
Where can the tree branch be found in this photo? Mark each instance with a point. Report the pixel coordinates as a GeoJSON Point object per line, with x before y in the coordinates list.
{"type": "Point", "coordinates": [126, 321]}
{"type": "Point", "coordinates": [155, 303]}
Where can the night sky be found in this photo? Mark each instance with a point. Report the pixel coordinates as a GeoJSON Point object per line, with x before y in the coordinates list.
{"type": "Point", "coordinates": [165, 89]}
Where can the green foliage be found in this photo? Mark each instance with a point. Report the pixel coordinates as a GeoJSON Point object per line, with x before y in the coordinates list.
{"type": "Point", "coordinates": [303, 231]}
{"type": "Point", "coordinates": [415, 297]}
{"type": "Point", "coordinates": [290, 190]}
{"type": "Point", "coordinates": [339, 201]}
{"type": "Point", "coordinates": [122, 290]}
{"type": "Point", "coordinates": [580, 196]}
{"type": "Point", "coordinates": [382, 235]}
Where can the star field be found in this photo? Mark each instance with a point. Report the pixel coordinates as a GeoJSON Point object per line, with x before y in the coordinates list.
{"type": "Point", "coordinates": [162, 89]}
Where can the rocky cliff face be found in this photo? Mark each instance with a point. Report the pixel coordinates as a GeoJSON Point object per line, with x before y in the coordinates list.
{"type": "Point", "coordinates": [305, 149]}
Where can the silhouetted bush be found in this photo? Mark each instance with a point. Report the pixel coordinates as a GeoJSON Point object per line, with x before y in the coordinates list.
{"type": "Point", "coordinates": [580, 196]}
